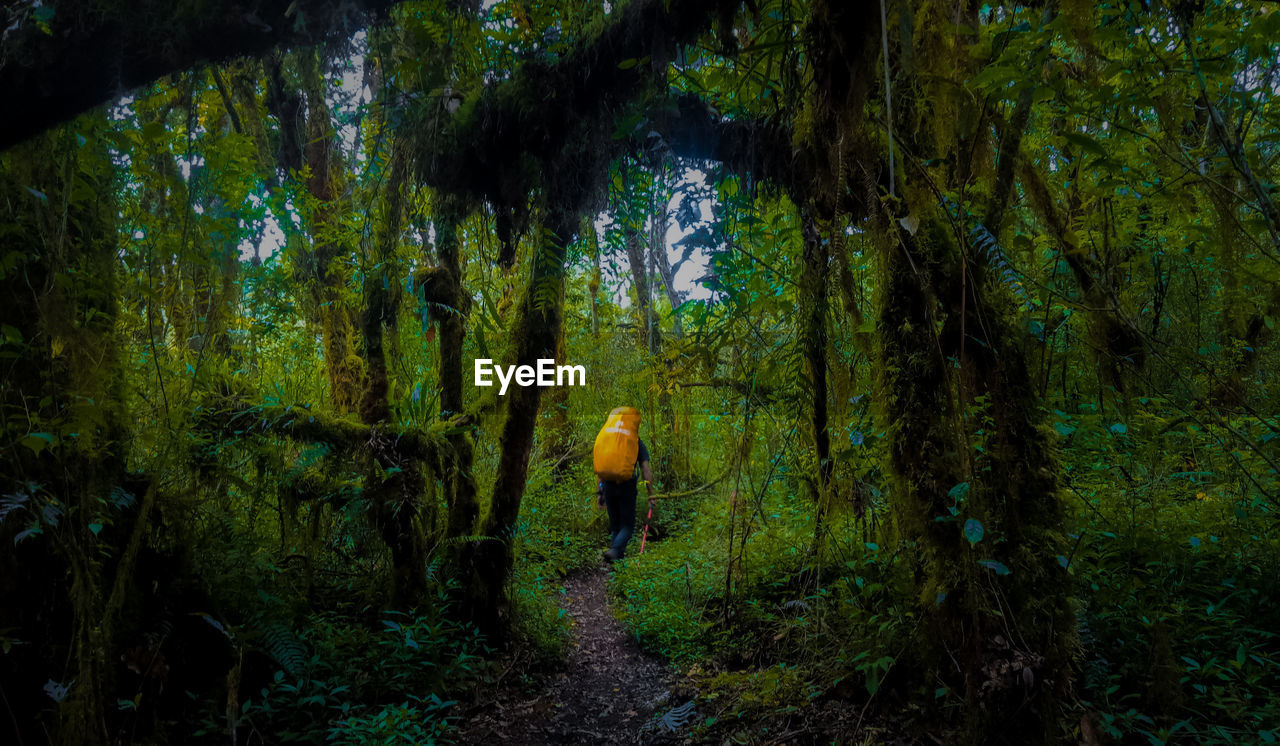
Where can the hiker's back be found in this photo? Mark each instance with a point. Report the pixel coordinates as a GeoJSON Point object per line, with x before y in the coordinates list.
{"type": "Point", "coordinates": [618, 445]}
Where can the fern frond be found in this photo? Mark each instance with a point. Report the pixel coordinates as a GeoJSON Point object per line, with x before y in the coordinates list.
{"type": "Point", "coordinates": [677, 717]}
{"type": "Point", "coordinates": [455, 540]}
{"type": "Point", "coordinates": [990, 251]}
{"type": "Point", "coordinates": [284, 647]}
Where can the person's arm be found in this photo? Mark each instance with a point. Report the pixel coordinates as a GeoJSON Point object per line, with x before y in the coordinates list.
{"type": "Point", "coordinates": [647, 474]}
{"type": "Point", "coordinates": [599, 493]}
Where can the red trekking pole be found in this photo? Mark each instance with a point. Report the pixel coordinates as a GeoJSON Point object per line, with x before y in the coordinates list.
{"type": "Point", "coordinates": [645, 535]}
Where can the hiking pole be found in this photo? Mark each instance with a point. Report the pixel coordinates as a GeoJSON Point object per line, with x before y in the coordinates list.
{"type": "Point", "coordinates": [645, 535]}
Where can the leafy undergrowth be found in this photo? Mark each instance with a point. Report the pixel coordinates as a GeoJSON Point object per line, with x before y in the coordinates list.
{"type": "Point", "coordinates": [560, 532]}
{"type": "Point", "coordinates": [792, 647]}
{"type": "Point", "coordinates": [348, 680]}
{"type": "Point", "coordinates": [1177, 581]}
{"type": "Point", "coordinates": [1176, 586]}
{"type": "Point", "coordinates": [1179, 625]}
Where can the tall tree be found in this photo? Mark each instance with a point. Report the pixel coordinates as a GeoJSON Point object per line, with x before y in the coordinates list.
{"type": "Point", "coordinates": [66, 428]}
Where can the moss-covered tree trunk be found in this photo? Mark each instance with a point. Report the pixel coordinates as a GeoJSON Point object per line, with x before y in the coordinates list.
{"type": "Point", "coordinates": [486, 564]}
{"type": "Point", "coordinates": [450, 306]}
{"type": "Point", "coordinates": [593, 285]}
{"type": "Point", "coordinates": [1118, 343]}
{"type": "Point", "coordinates": [393, 481]}
{"type": "Point", "coordinates": [974, 478]}
{"type": "Point", "coordinates": [650, 336]}
{"type": "Point", "coordinates": [308, 146]}
{"type": "Point", "coordinates": [65, 422]}
{"type": "Point", "coordinates": [557, 427]}
{"type": "Point", "coordinates": [975, 490]}
{"type": "Point", "coordinates": [813, 341]}
{"type": "Point", "coordinates": [380, 306]}
{"type": "Point", "coordinates": [662, 437]}
{"type": "Point", "coordinates": [1247, 303]}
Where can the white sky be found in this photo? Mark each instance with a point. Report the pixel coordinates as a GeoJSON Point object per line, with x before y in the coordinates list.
{"type": "Point", "coordinates": [686, 277]}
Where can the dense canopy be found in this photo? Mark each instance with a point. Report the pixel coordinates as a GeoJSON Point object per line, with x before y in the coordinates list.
{"type": "Point", "coordinates": [951, 325]}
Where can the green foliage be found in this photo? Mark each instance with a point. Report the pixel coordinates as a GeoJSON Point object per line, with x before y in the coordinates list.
{"type": "Point", "coordinates": [183, 266]}
{"type": "Point", "coordinates": [416, 720]}
{"type": "Point", "coordinates": [776, 689]}
{"type": "Point", "coordinates": [1177, 585]}
{"type": "Point", "coordinates": [386, 682]}
{"type": "Point", "coordinates": [557, 534]}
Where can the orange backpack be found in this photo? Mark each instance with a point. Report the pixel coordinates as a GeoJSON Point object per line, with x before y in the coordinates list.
{"type": "Point", "coordinates": [618, 445]}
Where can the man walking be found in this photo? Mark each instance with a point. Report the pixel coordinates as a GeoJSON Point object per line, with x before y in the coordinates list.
{"type": "Point", "coordinates": [619, 498]}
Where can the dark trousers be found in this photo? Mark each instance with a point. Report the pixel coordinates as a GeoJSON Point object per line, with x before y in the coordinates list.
{"type": "Point", "coordinates": [621, 504]}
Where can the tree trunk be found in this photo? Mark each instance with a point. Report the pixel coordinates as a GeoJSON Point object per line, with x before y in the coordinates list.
{"type": "Point", "coordinates": [558, 430]}
{"type": "Point", "coordinates": [593, 286]}
{"type": "Point", "coordinates": [1118, 342]}
{"type": "Point", "coordinates": [70, 352]}
{"type": "Point", "coordinates": [973, 475]}
{"type": "Point", "coordinates": [450, 306]}
{"type": "Point", "coordinates": [393, 481]}
{"type": "Point", "coordinates": [486, 564]}
{"type": "Point", "coordinates": [658, 242]}
{"type": "Point", "coordinates": [312, 142]}
{"type": "Point", "coordinates": [989, 614]}
{"type": "Point", "coordinates": [813, 340]}
{"type": "Point", "coordinates": [650, 336]}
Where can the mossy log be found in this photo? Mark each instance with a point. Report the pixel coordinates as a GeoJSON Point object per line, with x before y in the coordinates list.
{"type": "Point", "coordinates": [235, 418]}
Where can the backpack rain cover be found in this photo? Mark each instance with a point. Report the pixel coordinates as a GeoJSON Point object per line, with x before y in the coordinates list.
{"type": "Point", "coordinates": [618, 445]}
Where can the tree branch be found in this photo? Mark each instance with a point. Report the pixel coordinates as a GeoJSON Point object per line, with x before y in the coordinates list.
{"type": "Point", "coordinates": [95, 51]}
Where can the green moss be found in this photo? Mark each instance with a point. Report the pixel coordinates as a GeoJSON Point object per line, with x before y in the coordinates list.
{"type": "Point", "coordinates": [967, 443]}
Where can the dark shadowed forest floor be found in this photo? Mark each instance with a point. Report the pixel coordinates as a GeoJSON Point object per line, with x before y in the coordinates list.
{"type": "Point", "coordinates": [608, 691]}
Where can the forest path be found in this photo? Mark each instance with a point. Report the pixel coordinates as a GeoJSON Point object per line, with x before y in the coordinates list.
{"type": "Point", "coordinates": [607, 693]}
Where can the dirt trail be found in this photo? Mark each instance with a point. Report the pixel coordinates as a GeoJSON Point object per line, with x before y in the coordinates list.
{"type": "Point", "coordinates": [608, 692]}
